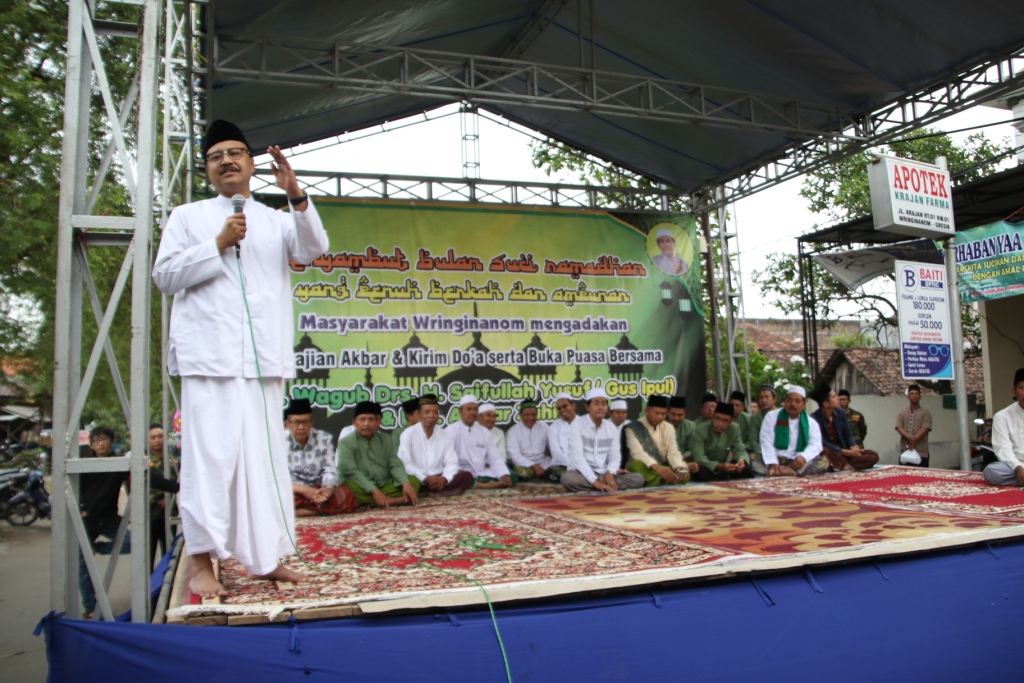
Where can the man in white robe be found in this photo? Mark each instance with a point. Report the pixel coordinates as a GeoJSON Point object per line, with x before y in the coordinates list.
{"type": "Point", "coordinates": [558, 431]}
{"type": "Point", "coordinates": [527, 442]}
{"type": "Point", "coordinates": [428, 453]}
{"type": "Point", "coordinates": [234, 474]}
{"type": "Point", "coordinates": [475, 447]}
{"type": "Point", "coordinates": [594, 456]}
{"type": "Point", "coordinates": [1008, 440]}
{"type": "Point", "coordinates": [487, 416]}
{"type": "Point", "coordinates": [792, 451]}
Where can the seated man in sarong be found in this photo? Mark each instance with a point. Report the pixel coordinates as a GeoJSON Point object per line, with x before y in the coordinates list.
{"type": "Point", "coordinates": [1008, 440]}
{"type": "Point", "coordinates": [718, 448]}
{"type": "Point", "coordinates": [594, 452]}
{"type": "Point", "coordinates": [312, 465]}
{"type": "Point", "coordinates": [707, 408]}
{"type": "Point", "coordinates": [369, 463]}
{"type": "Point", "coordinates": [427, 452]}
{"type": "Point", "coordinates": [526, 442]}
{"type": "Point", "coordinates": [790, 441]}
{"type": "Point", "coordinates": [653, 452]}
{"type": "Point", "coordinates": [838, 443]}
{"type": "Point", "coordinates": [475, 447]}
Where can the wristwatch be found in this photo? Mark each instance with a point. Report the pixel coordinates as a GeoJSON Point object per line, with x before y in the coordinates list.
{"type": "Point", "coordinates": [298, 200]}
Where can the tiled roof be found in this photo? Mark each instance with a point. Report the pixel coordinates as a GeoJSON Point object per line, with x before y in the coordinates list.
{"type": "Point", "coordinates": [881, 367]}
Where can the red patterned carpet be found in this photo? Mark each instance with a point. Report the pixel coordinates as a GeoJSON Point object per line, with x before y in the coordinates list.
{"type": "Point", "coordinates": [444, 547]}
{"type": "Point", "coordinates": [903, 488]}
{"type": "Point", "coordinates": [443, 553]}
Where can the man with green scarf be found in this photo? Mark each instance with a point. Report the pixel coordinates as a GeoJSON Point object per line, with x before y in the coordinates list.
{"type": "Point", "coordinates": [790, 441]}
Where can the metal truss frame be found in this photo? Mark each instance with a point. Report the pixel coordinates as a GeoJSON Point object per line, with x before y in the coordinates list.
{"type": "Point", "coordinates": [481, 80]}
{"type": "Point", "coordinates": [472, 190]}
{"type": "Point", "coordinates": [987, 79]}
{"type": "Point", "coordinates": [78, 229]}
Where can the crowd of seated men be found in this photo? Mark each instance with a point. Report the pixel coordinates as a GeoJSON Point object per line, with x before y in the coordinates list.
{"type": "Point", "coordinates": [599, 450]}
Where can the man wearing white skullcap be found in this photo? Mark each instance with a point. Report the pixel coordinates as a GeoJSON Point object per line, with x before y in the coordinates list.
{"type": "Point", "coordinates": [475, 447]}
{"type": "Point", "coordinates": [790, 441]}
{"type": "Point", "coordinates": [668, 261]}
{"type": "Point", "coordinates": [595, 452]}
{"type": "Point", "coordinates": [487, 416]}
{"type": "Point", "coordinates": [558, 432]}
{"type": "Point", "coordinates": [617, 414]}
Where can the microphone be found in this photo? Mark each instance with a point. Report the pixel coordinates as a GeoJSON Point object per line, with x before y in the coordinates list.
{"type": "Point", "coordinates": [237, 202]}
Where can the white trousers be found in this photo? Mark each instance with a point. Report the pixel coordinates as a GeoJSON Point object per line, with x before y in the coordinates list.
{"type": "Point", "coordinates": [236, 495]}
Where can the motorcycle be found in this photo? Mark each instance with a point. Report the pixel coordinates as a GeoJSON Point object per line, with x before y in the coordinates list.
{"type": "Point", "coordinates": [31, 504]}
{"type": "Point", "coordinates": [12, 482]}
{"type": "Point", "coordinates": [982, 454]}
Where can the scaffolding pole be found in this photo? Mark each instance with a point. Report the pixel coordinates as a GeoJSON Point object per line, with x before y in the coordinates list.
{"type": "Point", "coordinates": [77, 229]}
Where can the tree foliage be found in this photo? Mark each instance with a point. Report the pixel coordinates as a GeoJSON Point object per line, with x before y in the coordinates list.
{"type": "Point", "coordinates": [32, 70]}
{"type": "Point", "coordinates": [840, 191]}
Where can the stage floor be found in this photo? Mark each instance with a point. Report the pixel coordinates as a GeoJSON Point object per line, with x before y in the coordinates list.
{"type": "Point", "coordinates": [536, 543]}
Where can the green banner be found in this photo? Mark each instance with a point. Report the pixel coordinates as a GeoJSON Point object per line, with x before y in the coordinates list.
{"type": "Point", "coordinates": [990, 262]}
{"type": "Point", "coordinates": [504, 303]}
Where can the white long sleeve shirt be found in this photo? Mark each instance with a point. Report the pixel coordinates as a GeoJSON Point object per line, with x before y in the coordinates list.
{"type": "Point", "coordinates": [771, 454]}
{"type": "Point", "coordinates": [558, 441]}
{"type": "Point", "coordinates": [477, 453]}
{"type": "Point", "coordinates": [593, 449]}
{"type": "Point", "coordinates": [1008, 435]}
{"type": "Point", "coordinates": [499, 443]}
{"type": "Point", "coordinates": [425, 456]}
{"type": "Point", "coordinates": [209, 329]}
{"type": "Point", "coordinates": [526, 446]}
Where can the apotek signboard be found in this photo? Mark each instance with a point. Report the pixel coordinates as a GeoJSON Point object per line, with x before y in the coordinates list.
{"type": "Point", "coordinates": [911, 198]}
{"type": "Point", "coordinates": [925, 342]}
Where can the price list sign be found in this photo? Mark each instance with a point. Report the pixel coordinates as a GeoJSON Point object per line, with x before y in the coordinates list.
{"type": "Point", "coordinates": [925, 341]}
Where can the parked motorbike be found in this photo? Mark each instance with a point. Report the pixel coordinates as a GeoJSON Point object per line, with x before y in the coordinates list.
{"type": "Point", "coordinates": [12, 482]}
{"type": "Point", "coordinates": [30, 504]}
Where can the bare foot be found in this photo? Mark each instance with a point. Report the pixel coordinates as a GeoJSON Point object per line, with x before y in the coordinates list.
{"type": "Point", "coordinates": [281, 573]}
{"type": "Point", "coordinates": [205, 584]}
{"type": "Point", "coordinates": [304, 512]}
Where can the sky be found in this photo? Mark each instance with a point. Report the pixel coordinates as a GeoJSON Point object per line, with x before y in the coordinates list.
{"type": "Point", "coordinates": [766, 222]}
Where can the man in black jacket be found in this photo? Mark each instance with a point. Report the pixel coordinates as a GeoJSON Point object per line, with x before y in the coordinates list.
{"type": "Point", "coordinates": [837, 440]}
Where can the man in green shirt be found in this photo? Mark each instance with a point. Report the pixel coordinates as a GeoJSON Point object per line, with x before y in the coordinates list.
{"type": "Point", "coordinates": [718, 448]}
{"type": "Point", "coordinates": [707, 408]}
{"type": "Point", "coordinates": [368, 462]}
{"type": "Point", "coordinates": [765, 403]}
{"type": "Point", "coordinates": [684, 428]}
{"type": "Point", "coordinates": [741, 418]}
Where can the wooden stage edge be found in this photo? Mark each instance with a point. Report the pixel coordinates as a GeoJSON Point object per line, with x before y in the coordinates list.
{"type": "Point", "coordinates": [254, 614]}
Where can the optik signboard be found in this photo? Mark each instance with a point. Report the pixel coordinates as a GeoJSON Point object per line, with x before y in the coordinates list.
{"type": "Point", "coordinates": [923, 305]}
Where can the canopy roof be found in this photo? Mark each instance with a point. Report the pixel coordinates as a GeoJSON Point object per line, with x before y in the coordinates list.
{"type": "Point", "coordinates": [850, 57]}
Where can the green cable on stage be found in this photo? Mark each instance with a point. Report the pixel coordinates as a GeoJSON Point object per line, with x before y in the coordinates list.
{"type": "Point", "coordinates": [478, 543]}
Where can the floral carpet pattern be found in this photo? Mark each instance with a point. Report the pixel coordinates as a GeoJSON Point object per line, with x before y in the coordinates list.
{"type": "Point", "coordinates": [514, 538]}
{"type": "Point", "coordinates": [453, 546]}
{"type": "Point", "coordinates": [903, 488]}
{"type": "Point", "coordinates": [755, 522]}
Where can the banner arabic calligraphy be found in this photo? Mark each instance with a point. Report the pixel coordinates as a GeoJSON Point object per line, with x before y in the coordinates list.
{"type": "Point", "coordinates": [504, 303]}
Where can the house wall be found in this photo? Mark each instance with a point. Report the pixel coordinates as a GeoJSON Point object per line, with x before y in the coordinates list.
{"type": "Point", "coordinates": [1002, 336]}
{"type": "Point", "coordinates": [880, 414]}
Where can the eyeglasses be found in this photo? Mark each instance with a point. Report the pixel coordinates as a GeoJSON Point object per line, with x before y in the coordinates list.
{"type": "Point", "coordinates": [100, 439]}
{"type": "Point", "coordinates": [300, 423]}
{"type": "Point", "coordinates": [233, 153]}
